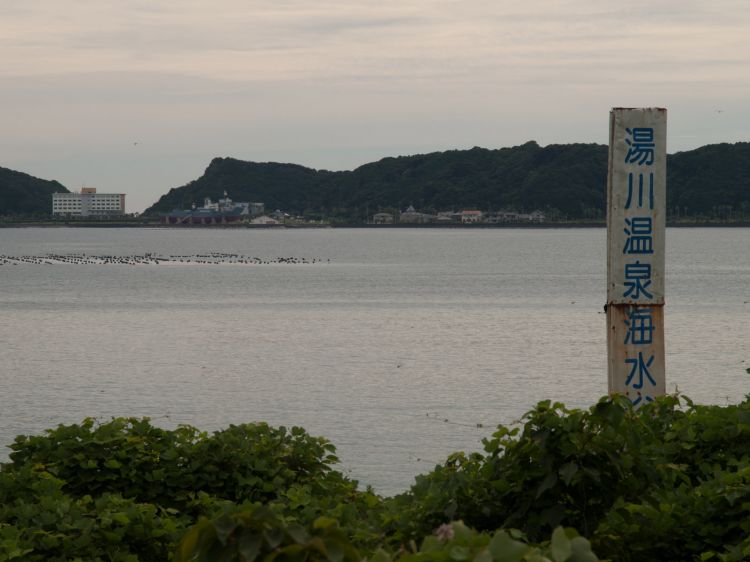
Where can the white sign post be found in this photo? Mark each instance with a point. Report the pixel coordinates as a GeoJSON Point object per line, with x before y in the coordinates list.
{"type": "Point", "coordinates": [636, 207]}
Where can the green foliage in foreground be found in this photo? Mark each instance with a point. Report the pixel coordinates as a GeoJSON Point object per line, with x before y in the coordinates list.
{"type": "Point", "coordinates": [261, 535]}
{"type": "Point", "coordinates": [250, 462]}
{"type": "Point", "coordinates": [670, 481]}
{"type": "Point", "coordinates": [126, 490]}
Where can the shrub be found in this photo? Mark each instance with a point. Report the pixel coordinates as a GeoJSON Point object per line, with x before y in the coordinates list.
{"type": "Point", "coordinates": [39, 522]}
{"type": "Point", "coordinates": [669, 482]}
{"type": "Point", "coordinates": [258, 535]}
{"type": "Point", "coordinates": [665, 482]}
{"type": "Point", "coordinates": [249, 462]}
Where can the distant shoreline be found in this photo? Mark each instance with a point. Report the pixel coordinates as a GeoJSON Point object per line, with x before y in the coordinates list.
{"type": "Point", "coordinates": [525, 226]}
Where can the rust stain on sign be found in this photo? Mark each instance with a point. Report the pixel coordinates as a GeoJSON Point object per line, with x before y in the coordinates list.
{"type": "Point", "coordinates": [635, 355]}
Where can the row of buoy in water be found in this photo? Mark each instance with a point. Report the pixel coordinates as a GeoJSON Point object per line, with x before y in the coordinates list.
{"type": "Point", "coordinates": [213, 258]}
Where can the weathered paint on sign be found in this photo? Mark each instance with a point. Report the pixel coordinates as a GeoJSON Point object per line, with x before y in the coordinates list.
{"type": "Point", "coordinates": [635, 353]}
{"type": "Point", "coordinates": [636, 199]}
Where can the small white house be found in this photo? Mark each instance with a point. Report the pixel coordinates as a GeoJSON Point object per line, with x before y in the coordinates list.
{"type": "Point", "coordinates": [468, 217]}
{"type": "Point", "coordinates": [382, 218]}
{"type": "Point", "coordinates": [412, 216]}
{"type": "Point", "coordinates": [264, 220]}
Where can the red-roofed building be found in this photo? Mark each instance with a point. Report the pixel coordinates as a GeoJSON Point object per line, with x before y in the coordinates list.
{"type": "Point", "coordinates": [471, 216]}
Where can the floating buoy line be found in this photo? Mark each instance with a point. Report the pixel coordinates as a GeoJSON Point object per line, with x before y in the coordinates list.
{"type": "Point", "coordinates": [212, 258]}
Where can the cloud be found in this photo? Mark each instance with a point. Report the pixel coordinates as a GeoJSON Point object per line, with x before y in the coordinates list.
{"type": "Point", "coordinates": [332, 83]}
{"type": "Point", "coordinates": [385, 40]}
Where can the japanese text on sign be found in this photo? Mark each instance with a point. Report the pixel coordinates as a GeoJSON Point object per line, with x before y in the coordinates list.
{"type": "Point", "coordinates": [635, 268]}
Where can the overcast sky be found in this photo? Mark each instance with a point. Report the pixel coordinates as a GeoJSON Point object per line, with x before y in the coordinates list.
{"type": "Point", "coordinates": [138, 96]}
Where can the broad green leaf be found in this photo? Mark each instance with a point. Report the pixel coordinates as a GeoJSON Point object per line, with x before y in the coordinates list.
{"type": "Point", "coordinates": [484, 555]}
{"type": "Point", "coordinates": [567, 471]}
{"type": "Point", "coordinates": [335, 552]}
{"type": "Point", "coordinates": [188, 545]}
{"type": "Point", "coordinates": [461, 532]}
{"type": "Point", "coordinates": [273, 537]}
{"type": "Point", "coordinates": [459, 553]}
{"type": "Point", "coordinates": [298, 534]}
{"type": "Point", "coordinates": [249, 546]}
{"type": "Point", "coordinates": [535, 557]}
{"type": "Point", "coordinates": [380, 555]}
{"type": "Point", "coordinates": [120, 518]}
{"type": "Point", "coordinates": [431, 543]}
{"type": "Point", "coordinates": [582, 550]}
{"type": "Point", "coordinates": [549, 481]}
{"type": "Point", "coordinates": [506, 549]}
{"type": "Point", "coordinates": [224, 526]}
{"type": "Point", "coordinates": [560, 547]}
{"type": "Point", "coordinates": [324, 523]}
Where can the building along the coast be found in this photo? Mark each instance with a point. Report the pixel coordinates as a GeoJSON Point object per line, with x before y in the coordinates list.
{"type": "Point", "coordinates": [412, 216]}
{"type": "Point", "coordinates": [382, 218]}
{"type": "Point", "coordinates": [471, 217]}
{"type": "Point", "coordinates": [88, 203]}
{"type": "Point", "coordinates": [467, 217]}
{"type": "Point", "coordinates": [220, 212]}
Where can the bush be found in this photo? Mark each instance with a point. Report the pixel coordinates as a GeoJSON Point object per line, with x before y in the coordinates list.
{"type": "Point", "coordinates": [39, 522]}
{"type": "Point", "coordinates": [258, 535]}
{"type": "Point", "coordinates": [126, 490]}
{"type": "Point", "coordinates": [665, 482]}
{"type": "Point", "coordinates": [249, 462]}
{"type": "Point", "coordinates": [669, 482]}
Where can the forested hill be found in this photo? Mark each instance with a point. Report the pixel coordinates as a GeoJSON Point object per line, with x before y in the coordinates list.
{"type": "Point", "coordinates": [564, 180]}
{"type": "Point", "coordinates": [24, 194]}
{"type": "Point", "coordinates": [456, 179]}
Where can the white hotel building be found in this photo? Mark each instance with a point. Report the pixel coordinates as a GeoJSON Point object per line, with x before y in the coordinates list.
{"type": "Point", "coordinates": [88, 203]}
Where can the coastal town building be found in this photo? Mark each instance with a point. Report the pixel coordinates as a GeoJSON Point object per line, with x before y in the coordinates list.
{"type": "Point", "coordinates": [471, 216]}
{"type": "Point", "coordinates": [512, 217]}
{"type": "Point", "coordinates": [225, 204]}
{"type": "Point", "coordinates": [264, 220]}
{"type": "Point", "coordinates": [88, 203]}
{"type": "Point", "coordinates": [220, 212]}
{"type": "Point", "coordinates": [537, 216]}
{"type": "Point", "coordinates": [279, 215]}
{"type": "Point", "coordinates": [502, 217]}
{"type": "Point", "coordinates": [468, 217]}
{"type": "Point", "coordinates": [446, 217]}
{"type": "Point", "coordinates": [412, 216]}
{"type": "Point", "coordinates": [382, 218]}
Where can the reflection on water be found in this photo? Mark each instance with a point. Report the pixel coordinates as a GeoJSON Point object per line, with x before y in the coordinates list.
{"type": "Point", "coordinates": [374, 342]}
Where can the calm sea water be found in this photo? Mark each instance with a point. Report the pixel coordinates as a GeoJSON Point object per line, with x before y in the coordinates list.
{"type": "Point", "coordinates": [374, 349]}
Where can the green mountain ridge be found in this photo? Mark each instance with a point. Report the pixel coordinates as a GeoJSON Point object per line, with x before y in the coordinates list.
{"type": "Point", "coordinates": [23, 194]}
{"type": "Point", "coordinates": [565, 180]}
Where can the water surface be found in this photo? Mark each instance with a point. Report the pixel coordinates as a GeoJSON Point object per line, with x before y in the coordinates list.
{"type": "Point", "coordinates": [392, 332]}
